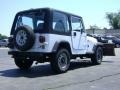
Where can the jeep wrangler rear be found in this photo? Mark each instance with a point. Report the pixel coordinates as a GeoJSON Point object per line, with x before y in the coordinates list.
{"type": "Point", "coordinates": [48, 35]}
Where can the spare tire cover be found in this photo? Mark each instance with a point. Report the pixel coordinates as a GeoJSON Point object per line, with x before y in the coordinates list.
{"type": "Point", "coordinates": [24, 38]}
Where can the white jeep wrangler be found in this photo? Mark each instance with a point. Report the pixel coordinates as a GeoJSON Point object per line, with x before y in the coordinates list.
{"type": "Point", "coordinates": [48, 35]}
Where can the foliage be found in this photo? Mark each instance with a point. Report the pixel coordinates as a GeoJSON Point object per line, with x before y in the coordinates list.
{"type": "Point", "coordinates": [114, 20]}
{"type": "Point", "coordinates": [3, 36]}
{"type": "Point", "coordinates": [94, 27]}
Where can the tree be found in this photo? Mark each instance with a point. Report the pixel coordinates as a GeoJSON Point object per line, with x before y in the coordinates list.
{"type": "Point", "coordinates": [104, 28]}
{"type": "Point", "coordinates": [94, 27]}
{"type": "Point", "coordinates": [114, 20]}
{"type": "Point", "coordinates": [3, 36]}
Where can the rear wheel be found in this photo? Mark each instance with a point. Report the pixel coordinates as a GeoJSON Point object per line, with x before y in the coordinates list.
{"type": "Point", "coordinates": [23, 63]}
{"type": "Point", "coordinates": [97, 56]}
{"type": "Point", "coordinates": [61, 61]}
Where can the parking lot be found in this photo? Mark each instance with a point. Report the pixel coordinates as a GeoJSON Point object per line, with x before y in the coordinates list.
{"type": "Point", "coordinates": [81, 76]}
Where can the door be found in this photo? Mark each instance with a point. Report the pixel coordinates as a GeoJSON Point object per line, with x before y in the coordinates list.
{"type": "Point", "coordinates": [78, 34]}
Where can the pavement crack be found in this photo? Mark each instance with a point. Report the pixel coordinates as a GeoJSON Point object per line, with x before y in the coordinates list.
{"type": "Point", "coordinates": [104, 77]}
{"type": "Point", "coordinates": [75, 83]}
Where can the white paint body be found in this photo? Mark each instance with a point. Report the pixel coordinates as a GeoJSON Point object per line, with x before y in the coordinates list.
{"type": "Point", "coordinates": [81, 44]}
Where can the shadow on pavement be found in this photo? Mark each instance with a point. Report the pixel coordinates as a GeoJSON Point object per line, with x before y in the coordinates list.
{"type": "Point", "coordinates": [41, 71]}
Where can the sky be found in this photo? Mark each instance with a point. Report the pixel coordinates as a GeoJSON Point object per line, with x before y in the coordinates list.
{"type": "Point", "coordinates": [92, 11]}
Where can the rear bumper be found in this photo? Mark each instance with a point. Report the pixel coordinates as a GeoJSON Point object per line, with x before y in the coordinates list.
{"type": "Point", "coordinates": [28, 54]}
{"type": "Point", "coordinates": [108, 49]}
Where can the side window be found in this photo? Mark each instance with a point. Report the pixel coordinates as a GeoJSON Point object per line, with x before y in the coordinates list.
{"type": "Point", "coordinates": [77, 24]}
{"type": "Point", "coordinates": [60, 22]}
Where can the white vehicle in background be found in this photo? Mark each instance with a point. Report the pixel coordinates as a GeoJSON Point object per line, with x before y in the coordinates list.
{"type": "Point", "coordinates": [49, 35]}
{"type": "Point", "coordinates": [4, 43]}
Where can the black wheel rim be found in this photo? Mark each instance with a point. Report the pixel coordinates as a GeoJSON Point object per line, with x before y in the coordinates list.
{"type": "Point", "coordinates": [63, 61]}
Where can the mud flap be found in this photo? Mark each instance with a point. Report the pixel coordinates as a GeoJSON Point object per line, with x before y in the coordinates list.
{"type": "Point", "coordinates": [108, 49]}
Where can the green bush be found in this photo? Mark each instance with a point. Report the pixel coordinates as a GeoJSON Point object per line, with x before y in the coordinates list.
{"type": "Point", "coordinates": [3, 36]}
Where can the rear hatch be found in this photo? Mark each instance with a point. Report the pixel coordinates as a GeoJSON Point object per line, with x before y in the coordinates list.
{"type": "Point", "coordinates": [26, 26]}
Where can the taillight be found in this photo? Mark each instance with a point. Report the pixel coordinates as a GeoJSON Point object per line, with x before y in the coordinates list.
{"type": "Point", "coordinates": [42, 39]}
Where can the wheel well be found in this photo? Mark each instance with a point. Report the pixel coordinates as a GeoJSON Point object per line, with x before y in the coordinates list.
{"type": "Point", "coordinates": [64, 45]}
{"type": "Point", "coordinates": [100, 46]}
{"type": "Point", "coordinates": [96, 46]}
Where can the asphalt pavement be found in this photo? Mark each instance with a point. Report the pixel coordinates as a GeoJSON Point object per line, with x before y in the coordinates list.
{"type": "Point", "coordinates": [81, 76]}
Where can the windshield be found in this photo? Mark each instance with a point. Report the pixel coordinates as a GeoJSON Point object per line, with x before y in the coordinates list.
{"type": "Point", "coordinates": [32, 19]}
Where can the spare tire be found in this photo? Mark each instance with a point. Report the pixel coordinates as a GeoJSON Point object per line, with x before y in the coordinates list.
{"type": "Point", "coordinates": [24, 38]}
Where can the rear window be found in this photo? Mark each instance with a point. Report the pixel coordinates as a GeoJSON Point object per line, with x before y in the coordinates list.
{"type": "Point", "coordinates": [32, 19]}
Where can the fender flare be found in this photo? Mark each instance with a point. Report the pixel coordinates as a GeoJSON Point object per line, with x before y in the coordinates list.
{"type": "Point", "coordinates": [97, 45]}
{"type": "Point", "coordinates": [57, 45]}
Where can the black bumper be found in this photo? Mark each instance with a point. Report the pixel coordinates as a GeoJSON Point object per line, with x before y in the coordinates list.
{"type": "Point", "coordinates": [28, 54]}
{"type": "Point", "coordinates": [108, 49]}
